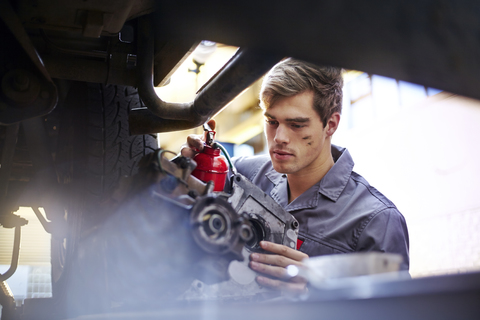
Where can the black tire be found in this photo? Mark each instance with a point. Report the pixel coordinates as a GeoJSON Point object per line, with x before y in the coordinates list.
{"type": "Point", "coordinates": [95, 150]}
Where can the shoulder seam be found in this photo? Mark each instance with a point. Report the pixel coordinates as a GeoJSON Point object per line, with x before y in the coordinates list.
{"type": "Point", "coordinates": [388, 204]}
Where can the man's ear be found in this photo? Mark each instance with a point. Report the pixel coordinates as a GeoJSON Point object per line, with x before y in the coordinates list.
{"type": "Point", "coordinates": [332, 124]}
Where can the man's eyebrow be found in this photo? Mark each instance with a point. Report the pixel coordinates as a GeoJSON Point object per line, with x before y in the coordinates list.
{"type": "Point", "coordinates": [298, 119]}
{"type": "Point", "coordinates": [268, 115]}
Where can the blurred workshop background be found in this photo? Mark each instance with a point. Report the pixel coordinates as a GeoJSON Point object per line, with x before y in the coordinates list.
{"type": "Point", "coordinates": [415, 144]}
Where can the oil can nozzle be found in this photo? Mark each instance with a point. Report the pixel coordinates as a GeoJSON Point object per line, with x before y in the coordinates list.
{"type": "Point", "coordinates": [215, 145]}
{"type": "Point", "coordinates": [210, 134]}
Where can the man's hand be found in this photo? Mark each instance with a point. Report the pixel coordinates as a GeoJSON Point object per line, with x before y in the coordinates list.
{"type": "Point", "coordinates": [274, 267]}
{"type": "Point", "coordinates": [195, 142]}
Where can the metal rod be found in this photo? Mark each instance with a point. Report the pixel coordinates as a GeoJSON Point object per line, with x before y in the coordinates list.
{"type": "Point", "coordinates": [15, 255]}
{"type": "Point", "coordinates": [143, 121]}
{"type": "Point", "coordinates": [246, 66]}
{"type": "Point", "coordinates": [241, 71]}
{"type": "Point", "coordinates": [146, 90]}
{"type": "Point", "coordinates": [71, 68]}
{"type": "Point", "coordinates": [45, 224]}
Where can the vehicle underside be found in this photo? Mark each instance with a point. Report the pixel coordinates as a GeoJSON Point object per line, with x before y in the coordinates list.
{"type": "Point", "coordinates": [78, 113]}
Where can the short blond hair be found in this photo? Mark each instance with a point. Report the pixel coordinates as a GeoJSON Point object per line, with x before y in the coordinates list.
{"type": "Point", "coordinates": [291, 77]}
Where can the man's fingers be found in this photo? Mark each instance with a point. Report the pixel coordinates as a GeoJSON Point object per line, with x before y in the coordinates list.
{"type": "Point", "coordinates": [187, 152]}
{"type": "Point", "coordinates": [192, 147]}
{"type": "Point", "coordinates": [195, 142]}
{"type": "Point", "coordinates": [274, 265]}
{"type": "Point", "coordinates": [274, 259]}
{"type": "Point", "coordinates": [273, 271]}
{"type": "Point", "coordinates": [283, 250]}
{"type": "Point", "coordinates": [282, 285]}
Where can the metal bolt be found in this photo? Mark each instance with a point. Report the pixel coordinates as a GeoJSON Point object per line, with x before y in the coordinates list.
{"type": "Point", "coordinates": [295, 224]}
{"type": "Point", "coordinates": [193, 193]}
{"type": "Point", "coordinates": [246, 233]}
{"type": "Point", "coordinates": [21, 82]}
{"type": "Point", "coordinates": [216, 223]}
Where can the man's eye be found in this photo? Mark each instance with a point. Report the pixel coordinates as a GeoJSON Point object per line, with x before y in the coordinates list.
{"type": "Point", "coordinates": [271, 122]}
{"type": "Point", "coordinates": [297, 126]}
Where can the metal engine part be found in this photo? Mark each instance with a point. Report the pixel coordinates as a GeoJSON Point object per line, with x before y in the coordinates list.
{"type": "Point", "coordinates": [216, 227]}
{"type": "Point", "coordinates": [223, 223]}
{"type": "Point", "coordinates": [227, 226]}
{"type": "Point", "coordinates": [268, 221]}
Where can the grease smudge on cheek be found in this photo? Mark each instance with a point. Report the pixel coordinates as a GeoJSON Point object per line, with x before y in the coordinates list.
{"type": "Point", "coordinates": [308, 138]}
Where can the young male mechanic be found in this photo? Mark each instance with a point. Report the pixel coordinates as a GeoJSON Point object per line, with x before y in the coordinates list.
{"type": "Point", "coordinates": [338, 211]}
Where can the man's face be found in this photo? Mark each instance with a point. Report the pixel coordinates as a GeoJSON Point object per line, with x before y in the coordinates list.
{"type": "Point", "coordinates": [295, 135]}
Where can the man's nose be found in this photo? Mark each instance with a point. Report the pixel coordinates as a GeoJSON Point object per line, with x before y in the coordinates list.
{"type": "Point", "coordinates": [281, 135]}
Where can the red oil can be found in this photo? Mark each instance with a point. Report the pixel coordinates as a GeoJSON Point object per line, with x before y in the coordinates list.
{"type": "Point", "coordinates": [211, 166]}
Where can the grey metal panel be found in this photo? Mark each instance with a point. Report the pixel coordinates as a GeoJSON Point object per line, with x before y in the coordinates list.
{"type": "Point", "coordinates": [434, 43]}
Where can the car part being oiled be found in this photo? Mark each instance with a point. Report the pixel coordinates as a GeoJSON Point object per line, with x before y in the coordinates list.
{"type": "Point", "coordinates": [215, 226]}
{"type": "Point", "coordinates": [269, 222]}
